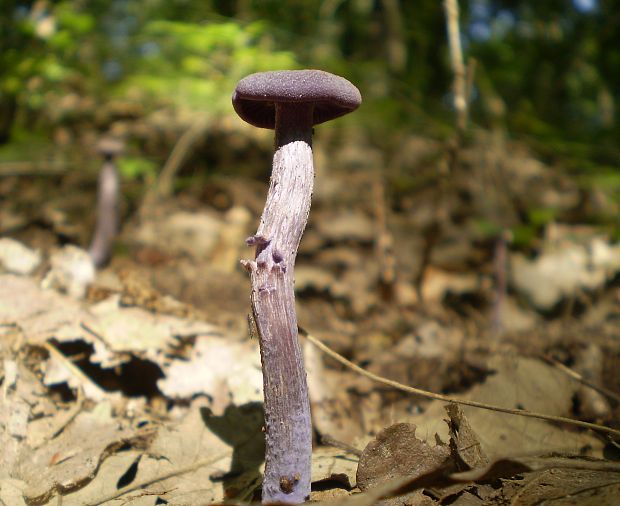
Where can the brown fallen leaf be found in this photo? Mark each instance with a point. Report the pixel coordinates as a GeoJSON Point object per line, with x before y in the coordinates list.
{"type": "Point", "coordinates": [518, 382]}
{"type": "Point", "coordinates": [191, 462]}
{"type": "Point", "coordinates": [72, 459]}
{"type": "Point", "coordinates": [109, 475]}
{"type": "Point", "coordinates": [397, 452]}
{"type": "Point", "coordinates": [464, 442]}
{"type": "Point", "coordinates": [529, 480]}
{"type": "Point", "coordinates": [226, 370]}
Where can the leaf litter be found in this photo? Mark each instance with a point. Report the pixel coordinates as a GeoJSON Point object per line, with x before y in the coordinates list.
{"type": "Point", "coordinates": [83, 449]}
{"type": "Point", "coordinates": [131, 394]}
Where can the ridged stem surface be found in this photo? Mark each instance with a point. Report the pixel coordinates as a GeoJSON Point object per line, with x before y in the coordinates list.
{"type": "Point", "coordinates": [288, 429]}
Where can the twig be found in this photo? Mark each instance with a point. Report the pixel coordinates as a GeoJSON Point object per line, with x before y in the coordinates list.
{"type": "Point", "coordinates": [554, 464]}
{"type": "Point", "coordinates": [499, 266]}
{"type": "Point", "coordinates": [383, 239]}
{"type": "Point", "coordinates": [439, 397]}
{"type": "Point", "coordinates": [69, 417]}
{"type": "Point", "coordinates": [459, 90]}
{"type": "Point", "coordinates": [328, 440]}
{"type": "Point", "coordinates": [150, 481]}
{"type": "Point", "coordinates": [575, 375]}
{"type": "Point", "coordinates": [178, 155]}
{"type": "Point", "coordinates": [75, 370]}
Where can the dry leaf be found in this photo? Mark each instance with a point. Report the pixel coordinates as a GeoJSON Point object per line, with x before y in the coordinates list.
{"type": "Point", "coordinates": [133, 329]}
{"type": "Point", "coordinates": [397, 452]}
{"type": "Point", "coordinates": [41, 314]}
{"type": "Point", "coordinates": [227, 371]}
{"type": "Point", "coordinates": [347, 225]}
{"type": "Point", "coordinates": [17, 258]}
{"type": "Point", "coordinates": [334, 465]}
{"type": "Point", "coordinates": [71, 460]}
{"type": "Point", "coordinates": [464, 442]}
{"type": "Point", "coordinates": [182, 444]}
{"type": "Point", "coordinates": [182, 232]}
{"type": "Point", "coordinates": [72, 271]}
{"type": "Point", "coordinates": [565, 267]}
{"type": "Point", "coordinates": [517, 382]}
{"type": "Point", "coordinates": [11, 492]}
{"type": "Point", "coordinates": [108, 480]}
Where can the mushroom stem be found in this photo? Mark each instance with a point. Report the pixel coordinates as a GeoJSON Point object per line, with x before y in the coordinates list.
{"type": "Point", "coordinates": [107, 213]}
{"type": "Point", "coordinates": [291, 102]}
{"type": "Point", "coordinates": [288, 426]}
{"type": "Point", "coordinates": [294, 123]}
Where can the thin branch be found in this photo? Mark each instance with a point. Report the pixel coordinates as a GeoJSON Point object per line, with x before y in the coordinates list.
{"type": "Point", "coordinates": [451, 8]}
{"type": "Point", "coordinates": [328, 440]}
{"type": "Point", "coordinates": [499, 266]}
{"type": "Point", "coordinates": [576, 376]}
{"type": "Point", "coordinates": [383, 239]}
{"type": "Point", "coordinates": [75, 370]}
{"type": "Point", "coordinates": [439, 397]}
{"type": "Point", "coordinates": [182, 148]}
{"type": "Point", "coordinates": [161, 477]}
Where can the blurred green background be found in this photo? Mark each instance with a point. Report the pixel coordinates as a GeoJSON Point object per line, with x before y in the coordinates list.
{"type": "Point", "coordinates": [546, 73]}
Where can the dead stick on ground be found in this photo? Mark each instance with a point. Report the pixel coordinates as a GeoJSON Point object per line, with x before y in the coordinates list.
{"type": "Point", "coordinates": [576, 376]}
{"type": "Point", "coordinates": [327, 440]}
{"type": "Point", "coordinates": [430, 395]}
{"type": "Point", "coordinates": [383, 239]}
{"type": "Point", "coordinates": [161, 477]}
{"type": "Point", "coordinates": [74, 369]}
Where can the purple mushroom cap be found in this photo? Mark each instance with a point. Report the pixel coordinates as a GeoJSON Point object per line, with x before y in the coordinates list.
{"type": "Point", "coordinates": [255, 97]}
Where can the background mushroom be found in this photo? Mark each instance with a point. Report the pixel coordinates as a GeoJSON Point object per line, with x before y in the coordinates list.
{"type": "Point", "coordinates": [290, 102]}
{"type": "Point", "coordinates": [107, 202]}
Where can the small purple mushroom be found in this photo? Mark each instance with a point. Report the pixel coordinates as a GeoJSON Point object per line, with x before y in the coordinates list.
{"type": "Point", "coordinates": [290, 102]}
{"type": "Point", "coordinates": [107, 202]}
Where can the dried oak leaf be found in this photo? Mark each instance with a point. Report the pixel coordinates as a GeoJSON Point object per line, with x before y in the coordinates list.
{"type": "Point", "coordinates": [397, 452]}
{"type": "Point", "coordinates": [464, 442]}
{"type": "Point", "coordinates": [72, 460]}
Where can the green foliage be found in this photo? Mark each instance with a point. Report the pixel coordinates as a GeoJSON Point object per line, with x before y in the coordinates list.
{"type": "Point", "coordinates": [545, 72]}
{"type": "Point", "coordinates": [523, 235]}
{"type": "Point", "coordinates": [43, 48]}
{"type": "Point", "coordinates": [608, 179]}
{"type": "Point", "coordinates": [72, 24]}
{"type": "Point", "coordinates": [194, 67]}
{"type": "Point", "coordinates": [137, 168]}
{"type": "Point", "coordinates": [26, 144]}
{"type": "Point", "coordinates": [555, 68]}
{"type": "Point", "coordinates": [486, 228]}
{"type": "Point", "coordinates": [539, 217]}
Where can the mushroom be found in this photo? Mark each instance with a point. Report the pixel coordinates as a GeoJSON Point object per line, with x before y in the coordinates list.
{"type": "Point", "coordinates": [290, 102]}
{"type": "Point", "coordinates": [107, 202]}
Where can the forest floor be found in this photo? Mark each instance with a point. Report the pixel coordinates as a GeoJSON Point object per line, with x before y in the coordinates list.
{"type": "Point", "coordinates": [144, 387]}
